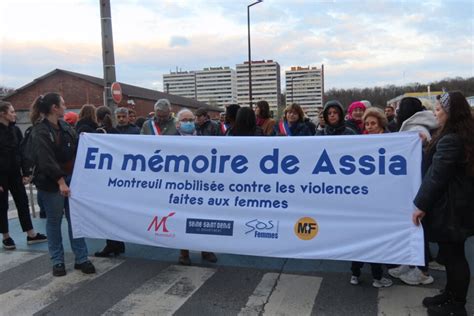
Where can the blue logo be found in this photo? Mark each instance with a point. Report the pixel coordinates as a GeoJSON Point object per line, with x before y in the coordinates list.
{"type": "Point", "coordinates": [209, 227]}
{"type": "Point", "coordinates": [262, 229]}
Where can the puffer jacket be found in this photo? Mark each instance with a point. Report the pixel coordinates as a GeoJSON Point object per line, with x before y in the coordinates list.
{"type": "Point", "coordinates": [447, 193]}
{"type": "Point", "coordinates": [9, 153]}
{"type": "Point", "coordinates": [424, 122]}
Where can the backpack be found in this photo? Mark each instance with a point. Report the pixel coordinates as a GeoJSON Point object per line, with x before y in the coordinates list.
{"type": "Point", "coordinates": [26, 153]}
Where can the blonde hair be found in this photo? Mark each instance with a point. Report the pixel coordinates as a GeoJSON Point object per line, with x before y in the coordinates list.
{"type": "Point", "coordinates": [378, 114]}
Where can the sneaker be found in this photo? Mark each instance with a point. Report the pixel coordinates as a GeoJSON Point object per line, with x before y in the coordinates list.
{"type": "Point", "coordinates": [383, 282]}
{"type": "Point", "coordinates": [398, 271]}
{"type": "Point", "coordinates": [416, 277]}
{"type": "Point", "coordinates": [86, 267]}
{"type": "Point", "coordinates": [59, 269]}
{"type": "Point", "coordinates": [354, 280]}
{"type": "Point", "coordinates": [433, 265]}
{"type": "Point", "coordinates": [9, 244]}
{"type": "Point", "coordinates": [37, 239]}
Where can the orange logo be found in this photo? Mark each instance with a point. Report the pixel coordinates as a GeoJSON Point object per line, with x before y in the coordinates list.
{"type": "Point", "coordinates": [306, 228]}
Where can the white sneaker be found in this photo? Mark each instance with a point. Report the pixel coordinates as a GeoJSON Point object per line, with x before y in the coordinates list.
{"type": "Point", "coordinates": [383, 282]}
{"type": "Point", "coordinates": [436, 266]}
{"type": "Point", "coordinates": [398, 271]}
{"type": "Point", "coordinates": [354, 280]}
{"type": "Point", "coordinates": [416, 277]}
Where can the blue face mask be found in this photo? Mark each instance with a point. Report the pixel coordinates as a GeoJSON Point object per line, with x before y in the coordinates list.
{"type": "Point", "coordinates": [187, 127]}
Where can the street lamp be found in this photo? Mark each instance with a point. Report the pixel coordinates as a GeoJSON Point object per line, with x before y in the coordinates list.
{"type": "Point", "coordinates": [250, 54]}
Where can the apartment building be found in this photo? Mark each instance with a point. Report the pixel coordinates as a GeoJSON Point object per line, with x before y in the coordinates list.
{"type": "Point", "coordinates": [182, 83]}
{"type": "Point", "coordinates": [305, 86]}
{"type": "Point", "coordinates": [265, 83]}
{"type": "Point", "coordinates": [216, 86]}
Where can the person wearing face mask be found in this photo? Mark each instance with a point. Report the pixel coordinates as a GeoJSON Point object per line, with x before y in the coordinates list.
{"type": "Point", "coordinates": [333, 114]}
{"type": "Point", "coordinates": [162, 123]}
{"type": "Point", "coordinates": [185, 127]}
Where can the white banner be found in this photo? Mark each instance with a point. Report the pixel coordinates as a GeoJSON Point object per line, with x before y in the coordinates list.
{"type": "Point", "coordinates": [340, 197]}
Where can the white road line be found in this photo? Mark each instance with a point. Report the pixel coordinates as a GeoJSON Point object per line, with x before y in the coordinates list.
{"type": "Point", "coordinates": [292, 295]}
{"type": "Point", "coordinates": [46, 289]}
{"type": "Point", "coordinates": [260, 295]}
{"type": "Point", "coordinates": [165, 293]}
{"type": "Point", "coordinates": [10, 259]}
{"type": "Point", "coordinates": [401, 300]}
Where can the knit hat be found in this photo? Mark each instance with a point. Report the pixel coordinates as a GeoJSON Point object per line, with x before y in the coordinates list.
{"type": "Point", "coordinates": [71, 117]}
{"type": "Point", "coordinates": [353, 106]}
{"type": "Point", "coordinates": [162, 105]}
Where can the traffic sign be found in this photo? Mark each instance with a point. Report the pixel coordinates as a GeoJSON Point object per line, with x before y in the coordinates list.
{"type": "Point", "coordinates": [116, 91]}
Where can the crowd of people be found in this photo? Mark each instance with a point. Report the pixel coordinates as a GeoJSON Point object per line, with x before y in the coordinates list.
{"type": "Point", "coordinates": [444, 202]}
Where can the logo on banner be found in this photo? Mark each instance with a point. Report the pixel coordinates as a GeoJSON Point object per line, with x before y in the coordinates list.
{"type": "Point", "coordinates": [209, 227]}
{"type": "Point", "coordinates": [306, 228]}
{"type": "Point", "coordinates": [262, 229]}
{"type": "Point", "coordinates": [158, 225]}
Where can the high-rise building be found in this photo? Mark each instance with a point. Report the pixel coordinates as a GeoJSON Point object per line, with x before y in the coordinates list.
{"type": "Point", "coordinates": [216, 86]}
{"type": "Point", "coordinates": [265, 83]}
{"type": "Point", "coordinates": [305, 86]}
{"type": "Point", "coordinates": [182, 83]}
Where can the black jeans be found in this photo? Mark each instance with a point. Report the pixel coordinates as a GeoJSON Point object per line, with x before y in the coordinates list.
{"type": "Point", "coordinates": [17, 189]}
{"type": "Point", "coordinates": [375, 267]}
{"type": "Point", "coordinates": [457, 270]}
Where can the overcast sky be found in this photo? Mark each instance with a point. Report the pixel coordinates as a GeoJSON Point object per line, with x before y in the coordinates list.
{"type": "Point", "coordinates": [361, 43]}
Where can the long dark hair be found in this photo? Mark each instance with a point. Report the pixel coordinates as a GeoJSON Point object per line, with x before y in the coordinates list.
{"type": "Point", "coordinates": [264, 109]}
{"type": "Point", "coordinates": [245, 122]}
{"type": "Point", "coordinates": [104, 117]}
{"type": "Point", "coordinates": [43, 105]}
{"type": "Point", "coordinates": [460, 122]}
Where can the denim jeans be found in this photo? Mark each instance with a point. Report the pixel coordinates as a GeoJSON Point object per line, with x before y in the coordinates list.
{"type": "Point", "coordinates": [55, 206]}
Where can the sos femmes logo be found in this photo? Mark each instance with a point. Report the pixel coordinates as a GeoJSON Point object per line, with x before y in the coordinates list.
{"type": "Point", "coordinates": [306, 228]}
{"type": "Point", "coordinates": [158, 225]}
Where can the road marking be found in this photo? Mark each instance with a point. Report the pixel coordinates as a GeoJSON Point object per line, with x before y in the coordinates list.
{"type": "Point", "coordinates": [11, 259]}
{"type": "Point", "coordinates": [33, 296]}
{"type": "Point", "coordinates": [292, 295]}
{"type": "Point", "coordinates": [403, 300]}
{"type": "Point", "coordinates": [260, 295]}
{"type": "Point", "coordinates": [163, 294]}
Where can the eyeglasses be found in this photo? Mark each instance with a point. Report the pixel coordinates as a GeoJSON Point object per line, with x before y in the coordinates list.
{"type": "Point", "coordinates": [187, 120]}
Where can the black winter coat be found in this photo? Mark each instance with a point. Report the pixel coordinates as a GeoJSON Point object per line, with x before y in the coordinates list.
{"type": "Point", "coordinates": [86, 126]}
{"type": "Point", "coordinates": [10, 160]}
{"type": "Point", "coordinates": [447, 193]}
{"type": "Point", "coordinates": [54, 153]}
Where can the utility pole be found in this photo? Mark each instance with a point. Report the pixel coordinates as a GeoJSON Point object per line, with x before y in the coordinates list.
{"type": "Point", "coordinates": [108, 58]}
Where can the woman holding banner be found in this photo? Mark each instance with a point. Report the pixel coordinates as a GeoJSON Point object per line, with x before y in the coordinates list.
{"type": "Point", "coordinates": [54, 144]}
{"type": "Point", "coordinates": [375, 122]}
{"type": "Point", "coordinates": [446, 197]}
{"type": "Point", "coordinates": [292, 123]}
